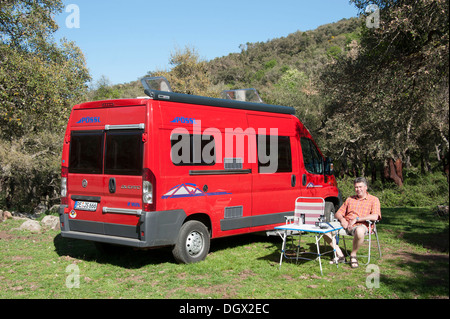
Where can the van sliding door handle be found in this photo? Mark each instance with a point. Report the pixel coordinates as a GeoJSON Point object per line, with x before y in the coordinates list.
{"type": "Point", "coordinates": [293, 180]}
{"type": "Point", "coordinates": [304, 180]}
{"type": "Point", "coordinates": [112, 185]}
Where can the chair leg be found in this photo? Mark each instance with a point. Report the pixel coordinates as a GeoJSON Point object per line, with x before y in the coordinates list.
{"type": "Point", "coordinates": [370, 246]}
{"type": "Point", "coordinates": [378, 242]}
{"type": "Point", "coordinates": [345, 246]}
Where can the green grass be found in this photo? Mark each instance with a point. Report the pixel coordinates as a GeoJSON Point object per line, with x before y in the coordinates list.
{"type": "Point", "coordinates": [414, 265]}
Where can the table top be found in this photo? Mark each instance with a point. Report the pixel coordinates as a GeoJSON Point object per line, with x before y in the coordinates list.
{"type": "Point", "coordinates": [311, 228]}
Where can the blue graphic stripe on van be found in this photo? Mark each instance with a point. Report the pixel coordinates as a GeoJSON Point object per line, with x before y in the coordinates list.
{"type": "Point", "coordinates": [189, 190]}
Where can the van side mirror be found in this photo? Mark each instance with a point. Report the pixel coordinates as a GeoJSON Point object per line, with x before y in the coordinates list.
{"type": "Point", "coordinates": [329, 167]}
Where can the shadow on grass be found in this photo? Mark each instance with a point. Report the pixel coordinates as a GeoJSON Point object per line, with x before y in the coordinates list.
{"type": "Point", "coordinates": [121, 256]}
{"type": "Point", "coordinates": [417, 226]}
{"type": "Point", "coordinates": [429, 279]}
{"type": "Point", "coordinates": [131, 258]}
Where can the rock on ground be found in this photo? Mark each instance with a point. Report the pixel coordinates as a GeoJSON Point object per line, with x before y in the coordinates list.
{"type": "Point", "coordinates": [51, 222]}
{"type": "Point", "coordinates": [31, 225]}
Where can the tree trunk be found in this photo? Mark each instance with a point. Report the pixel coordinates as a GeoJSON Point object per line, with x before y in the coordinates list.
{"type": "Point", "coordinates": [394, 171]}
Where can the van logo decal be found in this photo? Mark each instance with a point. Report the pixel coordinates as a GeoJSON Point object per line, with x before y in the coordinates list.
{"type": "Point", "coordinates": [188, 190]}
{"type": "Point", "coordinates": [130, 204]}
{"type": "Point", "coordinates": [311, 185]}
{"type": "Point", "coordinates": [89, 120]}
{"type": "Point", "coordinates": [130, 187]}
{"type": "Point", "coordinates": [184, 120]}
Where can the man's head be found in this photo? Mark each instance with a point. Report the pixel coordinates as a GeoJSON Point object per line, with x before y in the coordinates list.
{"type": "Point", "coordinates": [360, 184]}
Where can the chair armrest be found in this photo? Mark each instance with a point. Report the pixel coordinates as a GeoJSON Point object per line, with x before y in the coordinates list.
{"type": "Point", "coordinates": [289, 219]}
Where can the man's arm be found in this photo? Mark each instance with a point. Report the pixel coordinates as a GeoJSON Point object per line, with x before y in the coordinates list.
{"type": "Point", "coordinates": [340, 215]}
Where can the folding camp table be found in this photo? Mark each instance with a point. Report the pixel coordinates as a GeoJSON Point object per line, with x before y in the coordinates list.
{"type": "Point", "coordinates": [317, 231]}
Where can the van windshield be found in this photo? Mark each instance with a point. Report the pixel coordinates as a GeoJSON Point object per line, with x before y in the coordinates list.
{"type": "Point", "coordinates": [123, 152]}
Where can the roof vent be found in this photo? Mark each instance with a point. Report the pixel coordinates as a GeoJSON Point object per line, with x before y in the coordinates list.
{"type": "Point", "coordinates": [158, 83]}
{"type": "Point", "coordinates": [244, 95]}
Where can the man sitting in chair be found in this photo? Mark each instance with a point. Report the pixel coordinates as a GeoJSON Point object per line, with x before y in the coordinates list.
{"type": "Point", "coordinates": [353, 215]}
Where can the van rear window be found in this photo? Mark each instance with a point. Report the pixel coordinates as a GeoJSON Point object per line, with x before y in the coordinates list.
{"type": "Point", "coordinates": [86, 149]}
{"type": "Point", "coordinates": [123, 155]}
{"type": "Point", "coordinates": [123, 152]}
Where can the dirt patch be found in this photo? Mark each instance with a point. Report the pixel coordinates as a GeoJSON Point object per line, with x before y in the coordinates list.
{"type": "Point", "coordinates": [225, 291]}
{"type": "Point", "coordinates": [245, 274]}
{"type": "Point", "coordinates": [6, 236]}
{"type": "Point", "coordinates": [20, 258]}
{"type": "Point", "coordinates": [410, 257]}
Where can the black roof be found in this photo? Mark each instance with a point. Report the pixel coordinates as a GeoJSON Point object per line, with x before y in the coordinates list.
{"type": "Point", "coordinates": [233, 104]}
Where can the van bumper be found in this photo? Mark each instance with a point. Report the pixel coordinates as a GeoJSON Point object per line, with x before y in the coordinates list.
{"type": "Point", "coordinates": [155, 229]}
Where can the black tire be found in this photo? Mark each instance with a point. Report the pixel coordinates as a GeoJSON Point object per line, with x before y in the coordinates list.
{"type": "Point", "coordinates": [192, 244]}
{"type": "Point", "coordinates": [329, 211]}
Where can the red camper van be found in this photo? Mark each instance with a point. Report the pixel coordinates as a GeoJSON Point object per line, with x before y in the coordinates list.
{"type": "Point", "coordinates": [177, 170]}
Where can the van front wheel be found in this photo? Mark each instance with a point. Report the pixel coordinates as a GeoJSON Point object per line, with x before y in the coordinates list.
{"type": "Point", "coordinates": [192, 244]}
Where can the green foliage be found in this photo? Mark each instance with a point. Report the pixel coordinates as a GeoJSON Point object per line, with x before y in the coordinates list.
{"type": "Point", "coordinates": [26, 24]}
{"type": "Point", "coordinates": [38, 90]}
{"type": "Point", "coordinates": [334, 52]}
{"type": "Point", "coordinates": [392, 89]}
{"type": "Point", "coordinates": [418, 190]}
{"type": "Point", "coordinates": [39, 81]}
{"type": "Point", "coordinates": [30, 169]}
{"type": "Point", "coordinates": [189, 73]}
{"type": "Point", "coordinates": [104, 91]}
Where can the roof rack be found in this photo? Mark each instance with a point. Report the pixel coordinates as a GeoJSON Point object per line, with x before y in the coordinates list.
{"type": "Point", "coordinates": [158, 88]}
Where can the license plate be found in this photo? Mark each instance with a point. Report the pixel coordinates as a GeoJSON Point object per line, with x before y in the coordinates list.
{"type": "Point", "coordinates": [89, 206]}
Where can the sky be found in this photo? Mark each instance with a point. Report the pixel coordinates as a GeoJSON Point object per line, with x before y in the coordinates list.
{"type": "Point", "coordinates": [123, 40]}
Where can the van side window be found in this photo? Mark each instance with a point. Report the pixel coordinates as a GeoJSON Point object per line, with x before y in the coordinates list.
{"type": "Point", "coordinates": [280, 153]}
{"type": "Point", "coordinates": [192, 150]}
{"type": "Point", "coordinates": [86, 152]}
{"type": "Point", "coordinates": [123, 153]}
{"type": "Point", "coordinates": [311, 157]}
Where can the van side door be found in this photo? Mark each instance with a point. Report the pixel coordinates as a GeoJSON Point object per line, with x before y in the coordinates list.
{"type": "Point", "coordinates": [276, 173]}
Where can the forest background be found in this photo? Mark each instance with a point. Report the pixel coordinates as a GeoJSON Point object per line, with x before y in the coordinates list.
{"type": "Point", "coordinates": [372, 90]}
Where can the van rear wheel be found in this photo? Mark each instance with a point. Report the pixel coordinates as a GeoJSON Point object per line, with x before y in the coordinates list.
{"type": "Point", "coordinates": [192, 244]}
{"type": "Point", "coordinates": [329, 211]}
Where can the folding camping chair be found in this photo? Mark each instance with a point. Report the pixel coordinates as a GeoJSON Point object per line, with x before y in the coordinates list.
{"type": "Point", "coordinates": [368, 238]}
{"type": "Point", "coordinates": [308, 211]}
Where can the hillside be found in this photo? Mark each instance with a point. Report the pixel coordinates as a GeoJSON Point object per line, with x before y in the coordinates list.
{"type": "Point", "coordinates": [262, 64]}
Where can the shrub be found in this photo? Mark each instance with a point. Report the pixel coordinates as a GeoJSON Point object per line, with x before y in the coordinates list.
{"type": "Point", "coordinates": [418, 190]}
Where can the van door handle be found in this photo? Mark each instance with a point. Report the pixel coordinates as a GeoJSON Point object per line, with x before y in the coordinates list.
{"type": "Point", "coordinates": [293, 180]}
{"type": "Point", "coordinates": [112, 185]}
{"type": "Point", "coordinates": [304, 180]}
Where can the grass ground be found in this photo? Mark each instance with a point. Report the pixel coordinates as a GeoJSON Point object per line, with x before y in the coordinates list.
{"type": "Point", "coordinates": [415, 264]}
